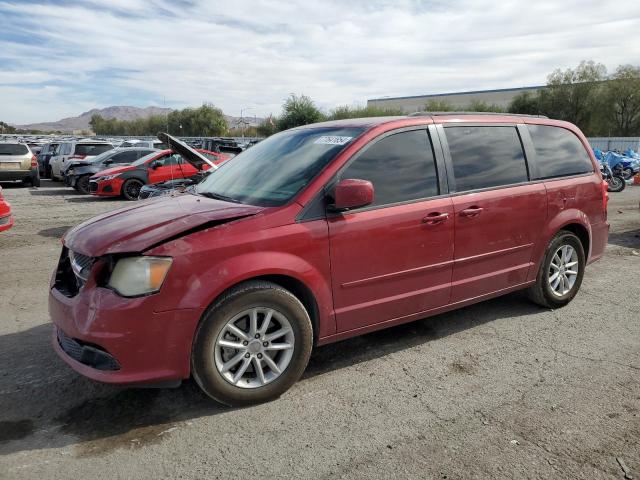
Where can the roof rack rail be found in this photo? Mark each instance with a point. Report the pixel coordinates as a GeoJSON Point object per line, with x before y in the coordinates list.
{"type": "Point", "coordinates": [438, 114]}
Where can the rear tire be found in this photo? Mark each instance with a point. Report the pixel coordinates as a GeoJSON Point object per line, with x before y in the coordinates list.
{"type": "Point", "coordinates": [288, 353]}
{"type": "Point", "coordinates": [550, 289]}
{"type": "Point", "coordinates": [131, 189]}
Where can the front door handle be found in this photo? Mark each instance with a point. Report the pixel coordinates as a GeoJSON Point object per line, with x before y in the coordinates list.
{"type": "Point", "coordinates": [471, 211]}
{"type": "Point", "coordinates": [435, 218]}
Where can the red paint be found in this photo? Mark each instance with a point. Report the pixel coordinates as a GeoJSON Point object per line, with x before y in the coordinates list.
{"type": "Point", "coordinates": [367, 269]}
{"type": "Point", "coordinates": [6, 219]}
{"type": "Point", "coordinates": [352, 193]}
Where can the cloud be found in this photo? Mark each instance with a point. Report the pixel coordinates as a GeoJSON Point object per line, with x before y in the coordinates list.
{"type": "Point", "coordinates": [61, 58]}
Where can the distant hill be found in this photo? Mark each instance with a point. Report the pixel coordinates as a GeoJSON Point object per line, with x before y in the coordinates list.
{"type": "Point", "coordinates": [81, 122]}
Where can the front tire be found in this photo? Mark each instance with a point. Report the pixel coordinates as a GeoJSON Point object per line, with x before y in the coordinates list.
{"type": "Point", "coordinates": [252, 345]}
{"type": "Point", "coordinates": [561, 272]}
{"type": "Point", "coordinates": [82, 185]}
{"type": "Point", "coordinates": [131, 189]}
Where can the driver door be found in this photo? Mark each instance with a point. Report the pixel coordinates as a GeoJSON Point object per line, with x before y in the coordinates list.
{"type": "Point", "coordinates": [165, 168]}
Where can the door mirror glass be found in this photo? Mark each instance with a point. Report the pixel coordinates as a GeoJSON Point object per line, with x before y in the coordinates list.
{"type": "Point", "coordinates": [352, 193]}
{"type": "Point", "coordinates": [108, 161]}
{"type": "Point", "coordinates": [154, 165]}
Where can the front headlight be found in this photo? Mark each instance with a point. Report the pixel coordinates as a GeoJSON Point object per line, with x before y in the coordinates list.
{"type": "Point", "coordinates": [108, 177]}
{"type": "Point", "coordinates": [135, 276]}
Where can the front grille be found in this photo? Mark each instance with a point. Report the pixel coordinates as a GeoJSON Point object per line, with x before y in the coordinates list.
{"type": "Point", "coordinates": [93, 186]}
{"type": "Point", "coordinates": [87, 354]}
{"type": "Point", "coordinates": [72, 272]}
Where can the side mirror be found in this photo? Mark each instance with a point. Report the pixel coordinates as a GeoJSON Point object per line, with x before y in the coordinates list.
{"type": "Point", "coordinates": [154, 165]}
{"type": "Point", "coordinates": [108, 161]}
{"type": "Point", "coordinates": [352, 193]}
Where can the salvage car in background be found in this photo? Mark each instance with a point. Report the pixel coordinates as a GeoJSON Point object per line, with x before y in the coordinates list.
{"type": "Point", "coordinates": [6, 219]}
{"type": "Point", "coordinates": [18, 163]}
{"type": "Point", "coordinates": [126, 181]}
{"type": "Point", "coordinates": [181, 184]}
{"type": "Point", "coordinates": [75, 150]}
{"type": "Point", "coordinates": [47, 151]}
{"type": "Point", "coordinates": [78, 173]}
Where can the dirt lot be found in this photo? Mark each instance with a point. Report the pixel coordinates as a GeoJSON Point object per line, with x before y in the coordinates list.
{"type": "Point", "coordinates": [502, 389]}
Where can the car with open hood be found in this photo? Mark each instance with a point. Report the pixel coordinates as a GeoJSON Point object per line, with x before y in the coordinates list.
{"type": "Point", "coordinates": [181, 184]}
{"type": "Point", "coordinates": [321, 233]}
{"type": "Point", "coordinates": [160, 166]}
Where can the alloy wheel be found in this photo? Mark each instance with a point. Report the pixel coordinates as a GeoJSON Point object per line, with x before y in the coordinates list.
{"type": "Point", "coordinates": [254, 348]}
{"type": "Point", "coordinates": [563, 270]}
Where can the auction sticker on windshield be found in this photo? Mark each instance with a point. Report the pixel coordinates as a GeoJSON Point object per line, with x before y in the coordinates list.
{"type": "Point", "coordinates": [332, 140]}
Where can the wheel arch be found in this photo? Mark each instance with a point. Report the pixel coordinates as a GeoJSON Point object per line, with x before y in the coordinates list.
{"type": "Point", "coordinates": [582, 233]}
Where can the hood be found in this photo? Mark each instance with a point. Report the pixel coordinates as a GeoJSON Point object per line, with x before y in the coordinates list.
{"type": "Point", "coordinates": [147, 224]}
{"type": "Point", "coordinates": [189, 154]}
{"type": "Point", "coordinates": [113, 170]}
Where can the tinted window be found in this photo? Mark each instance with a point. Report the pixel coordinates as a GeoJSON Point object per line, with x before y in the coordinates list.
{"type": "Point", "coordinates": [486, 157]}
{"type": "Point", "coordinates": [558, 152]}
{"type": "Point", "coordinates": [401, 167]}
{"type": "Point", "coordinates": [13, 149]}
{"type": "Point", "coordinates": [91, 149]}
{"type": "Point", "coordinates": [277, 168]}
{"type": "Point", "coordinates": [125, 157]}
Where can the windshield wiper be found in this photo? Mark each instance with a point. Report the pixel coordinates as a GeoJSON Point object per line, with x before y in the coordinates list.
{"type": "Point", "coordinates": [218, 196]}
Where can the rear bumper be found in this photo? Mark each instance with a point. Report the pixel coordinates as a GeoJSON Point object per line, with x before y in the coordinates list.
{"type": "Point", "coordinates": [148, 347]}
{"type": "Point", "coordinates": [16, 175]}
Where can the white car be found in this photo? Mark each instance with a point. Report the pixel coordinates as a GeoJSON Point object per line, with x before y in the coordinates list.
{"type": "Point", "coordinates": [75, 150]}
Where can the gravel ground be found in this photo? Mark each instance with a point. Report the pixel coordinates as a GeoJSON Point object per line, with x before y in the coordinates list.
{"type": "Point", "coordinates": [502, 389]}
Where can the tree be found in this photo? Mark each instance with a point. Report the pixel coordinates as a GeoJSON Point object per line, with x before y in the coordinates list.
{"type": "Point", "coordinates": [345, 111]}
{"type": "Point", "coordinates": [268, 127]}
{"type": "Point", "coordinates": [439, 106]}
{"type": "Point", "coordinates": [622, 94]}
{"type": "Point", "coordinates": [6, 128]}
{"type": "Point", "coordinates": [525, 103]}
{"type": "Point", "coordinates": [571, 94]}
{"type": "Point", "coordinates": [298, 110]}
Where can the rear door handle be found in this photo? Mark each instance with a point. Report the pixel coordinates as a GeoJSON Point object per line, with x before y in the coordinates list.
{"type": "Point", "coordinates": [471, 211]}
{"type": "Point", "coordinates": [435, 218]}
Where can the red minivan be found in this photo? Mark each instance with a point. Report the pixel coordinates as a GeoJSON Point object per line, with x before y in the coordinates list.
{"type": "Point", "coordinates": [321, 233]}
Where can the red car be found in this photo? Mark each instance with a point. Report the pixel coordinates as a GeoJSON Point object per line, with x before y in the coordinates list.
{"type": "Point", "coordinates": [127, 180]}
{"type": "Point", "coordinates": [321, 233]}
{"type": "Point", "coordinates": [6, 219]}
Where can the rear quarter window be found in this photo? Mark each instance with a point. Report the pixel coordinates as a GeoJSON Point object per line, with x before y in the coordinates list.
{"type": "Point", "coordinates": [13, 149]}
{"type": "Point", "coordinates": [559, 152]}
{"type": "Point", "coordinates": [485, 157]}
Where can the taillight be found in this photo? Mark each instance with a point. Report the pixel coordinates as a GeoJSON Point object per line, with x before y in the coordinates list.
{"type": "Point", "coordinates": [34, 161]}
{"type": "Point", "coordinates": [605, 198]}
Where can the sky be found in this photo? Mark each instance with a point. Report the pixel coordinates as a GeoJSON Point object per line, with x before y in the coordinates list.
{"type": "Point", "coordinates": [60, 58]}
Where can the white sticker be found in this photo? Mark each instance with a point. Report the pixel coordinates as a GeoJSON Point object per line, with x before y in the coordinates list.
{"type": "Point", "coordinates": [332, 140]}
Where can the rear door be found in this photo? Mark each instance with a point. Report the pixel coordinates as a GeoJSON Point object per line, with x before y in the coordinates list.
{"type": "Point", "coordinates": [393, 258]}
{"type": "Point", "coordinates": [499, 215]}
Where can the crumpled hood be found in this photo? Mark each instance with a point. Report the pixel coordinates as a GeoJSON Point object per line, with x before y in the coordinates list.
{"type": "Point", "coordinates": [148, 223]}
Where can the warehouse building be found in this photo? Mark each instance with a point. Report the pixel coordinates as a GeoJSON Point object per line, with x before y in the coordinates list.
{"type": "Point", "coordinates": [501, 97]}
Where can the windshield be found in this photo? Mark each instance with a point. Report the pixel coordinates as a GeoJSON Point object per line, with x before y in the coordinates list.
{"type": "Point", "coordinates": [276, 169]}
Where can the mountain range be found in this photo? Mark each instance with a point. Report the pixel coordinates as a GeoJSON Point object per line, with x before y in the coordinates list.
{"type": "Point", "coordinates": [81, 122]}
